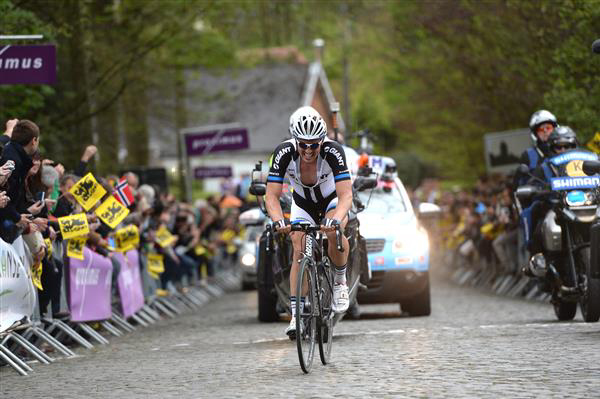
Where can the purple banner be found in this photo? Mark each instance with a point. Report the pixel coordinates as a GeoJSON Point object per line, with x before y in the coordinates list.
{"type": "Point", "coordinates": [27, 64]}
{"type": "Point", "coordinates": [130, 282]}
{"type": "Point", "coordinates": [231, 139]}
{"type": "Point", "coordinates": [89, 287]}
{"type": "Point", "coordinates": [204, 172]}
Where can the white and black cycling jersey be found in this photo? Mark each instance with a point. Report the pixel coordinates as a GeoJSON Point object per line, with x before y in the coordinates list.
{"type": "Point", "coordinates": [331, 168]}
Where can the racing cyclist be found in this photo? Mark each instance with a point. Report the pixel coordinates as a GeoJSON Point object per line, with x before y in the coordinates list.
{"type": "Point", "coordinates": [322, 194]}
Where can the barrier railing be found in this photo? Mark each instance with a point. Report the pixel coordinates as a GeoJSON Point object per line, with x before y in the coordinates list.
{"type": "Point", "coordinates": [478, 271]}
{"type": "Point", "coordinates": [94, 308]}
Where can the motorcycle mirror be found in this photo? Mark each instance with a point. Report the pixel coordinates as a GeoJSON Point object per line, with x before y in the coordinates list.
{"type": "Point", "coordinates": [524, 192]}
{"type": "Point", "coordinates": [591, 167]}
{"type": "Point", "coordinates": [596, 46]}
{"type": "Point", "coordinates": [258, 189]}
{"type": "Point", "coordinates": [523, 169]}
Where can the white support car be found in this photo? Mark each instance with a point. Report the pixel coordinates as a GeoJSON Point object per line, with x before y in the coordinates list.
{"type": "Point", "coordinates": [253, 221]}
{"type": "Point", "coordinates": [397, 245]}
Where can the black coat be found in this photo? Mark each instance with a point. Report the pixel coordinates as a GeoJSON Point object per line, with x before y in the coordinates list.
{"type": "Point", "coordinates": [16, 182]}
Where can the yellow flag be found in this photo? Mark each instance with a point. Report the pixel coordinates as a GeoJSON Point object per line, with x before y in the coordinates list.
{"type": "Point", "coordinates": [36, 275]}
{"type": "Point", "coordinates": [112, 212]}
{"type": "Point", "coordinates": [75, 247]}
{"type": "Point", "coordinates": [87, 191]}
{"type": "Point", "coordinates": [127, 238]}
{"type": "Point", "coordinates": [73, 226]}
{"type": "Point", "coordinates": [155, 263]}
{"type": "Point", "coordinates": [199, 250]}
{"type": "Point", "coordinates": [48, 247]}
{"type": "Point", "coordinates": [164, 237]}
{"type": "Point", "coordinates": [594, 143]}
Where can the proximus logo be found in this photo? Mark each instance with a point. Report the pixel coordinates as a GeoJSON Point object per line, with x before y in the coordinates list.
{"type": "Point", "coordinates": [281, 153]}
{"type": "Point", "coordinates": [336, 154]}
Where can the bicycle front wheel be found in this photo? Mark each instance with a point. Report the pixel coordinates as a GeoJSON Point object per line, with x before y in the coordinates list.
{"type": "Point", "coordinates": [306, 320]}
{"type": "Point", "coordinates": [325, 321]}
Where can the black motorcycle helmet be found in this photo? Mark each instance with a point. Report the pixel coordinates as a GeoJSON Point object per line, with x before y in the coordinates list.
{"type": "Point", "coordinates": [563, 137]}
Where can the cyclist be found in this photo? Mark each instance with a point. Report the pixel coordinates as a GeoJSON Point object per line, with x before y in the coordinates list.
{"type": "Point", "coordinates": [322, 193]}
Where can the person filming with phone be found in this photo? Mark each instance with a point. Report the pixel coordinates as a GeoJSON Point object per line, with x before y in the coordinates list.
{"type": "Point", "coordinates": [23, 144]}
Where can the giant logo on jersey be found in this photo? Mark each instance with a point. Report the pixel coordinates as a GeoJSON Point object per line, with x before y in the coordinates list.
{"type": "Point", "coordinates": [280, 154]}
{"type": "Point", "coordinates": [336, 154]}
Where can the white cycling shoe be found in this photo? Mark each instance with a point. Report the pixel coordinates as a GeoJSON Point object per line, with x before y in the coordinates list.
{"type": "Point", "coordinates": [341, 299]}
{"type": "Point", "coordinates": [290, 331]}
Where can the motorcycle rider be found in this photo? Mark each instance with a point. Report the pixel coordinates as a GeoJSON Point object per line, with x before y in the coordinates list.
{"type": "Point", "coordinates": [318, 172]}
{"type": "Point", "coordinates": [541, 125]}
{"type": "Point", "coordinates": [562, 139]}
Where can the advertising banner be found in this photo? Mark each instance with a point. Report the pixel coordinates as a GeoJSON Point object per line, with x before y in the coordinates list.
{"type": "Point", "coordinates": [130, 282]}
{"type": "Point", "coordinates": [89, 287]}
{"type": "Point", "coordinates": [17, 296]}
{"type": "Point", "coordinates": [219, 139]}
{"type": "Point", "coordinates": [206, 172]}
{"type": "Point", "coordinates": [27, 64]}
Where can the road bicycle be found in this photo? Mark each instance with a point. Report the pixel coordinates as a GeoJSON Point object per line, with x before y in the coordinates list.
{"type": "Point", "coordinates": [314, 324]}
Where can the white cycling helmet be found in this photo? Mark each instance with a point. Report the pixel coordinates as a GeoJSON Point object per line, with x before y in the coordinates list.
{"type": "Point", "coordinates": [307, 124]}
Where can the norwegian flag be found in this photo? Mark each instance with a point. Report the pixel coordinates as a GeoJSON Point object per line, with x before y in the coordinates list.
{"type": "Point", "coordinates": [123, 193]}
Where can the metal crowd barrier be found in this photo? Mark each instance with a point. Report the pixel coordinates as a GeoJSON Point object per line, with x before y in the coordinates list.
{"type": "Point", "coordinates": [33, 330]}
{"type": "Point", "coordinates": [491, 276]}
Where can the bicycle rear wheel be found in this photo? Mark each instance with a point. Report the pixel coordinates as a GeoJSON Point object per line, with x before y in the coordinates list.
{"type": "Point", "coordinates": [325, 324]}
{"type": "Point", "coordinates": [306, 321]}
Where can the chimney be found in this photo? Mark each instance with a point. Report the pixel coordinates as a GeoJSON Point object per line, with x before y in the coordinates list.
{"type": "Point", "coordinates": [319, 45]}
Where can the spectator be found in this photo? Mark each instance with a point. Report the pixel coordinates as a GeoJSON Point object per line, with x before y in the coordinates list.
{"type": "Point", "coordinates": [5, 138]}
{"type": "Point", "coordinates": [23, 144]}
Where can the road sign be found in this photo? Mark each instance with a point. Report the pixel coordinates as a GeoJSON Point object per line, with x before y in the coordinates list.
{"type": "Point", "coordinates": [216, 140]}
{"type": "Point", "coordinates": [27, 64]}
{"type": "Point", "coordinates": [205, 172]}
{"type": "Point", "coordinates": [503, 150]}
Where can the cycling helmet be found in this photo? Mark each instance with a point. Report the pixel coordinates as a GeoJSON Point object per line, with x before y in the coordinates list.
{"type": "Point", "coordinates": [562, 135]}
{"type": "Point", "coordinates": [307, 124]}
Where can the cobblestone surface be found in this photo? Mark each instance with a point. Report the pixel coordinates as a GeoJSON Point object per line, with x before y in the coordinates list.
{"type": "Point", "coordinates": [473, 345]}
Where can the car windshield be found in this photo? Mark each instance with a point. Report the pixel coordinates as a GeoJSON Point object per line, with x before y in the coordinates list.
{"type": "Point", "coordinates": [382, 201]}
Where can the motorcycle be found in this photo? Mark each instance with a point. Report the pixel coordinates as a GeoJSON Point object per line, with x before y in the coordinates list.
{"type": "Point", "coordinates": [569, 266]}
{"type": "Point", "coordinates": [275, 254]}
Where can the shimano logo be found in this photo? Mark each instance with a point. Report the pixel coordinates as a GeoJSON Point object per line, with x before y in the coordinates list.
{"type": "Point", "coordinates": [336, 154]}
{"type": "Point", "coordinates": [309, 246]}
{"type": "Point", "coordinates": [281, 153]}
{"type": "Point", "coordinates": [566, 183]}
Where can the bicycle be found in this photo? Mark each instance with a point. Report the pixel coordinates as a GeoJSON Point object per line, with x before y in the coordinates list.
{"type": "Point", "coordinates": [315, 323]}
{"type": "Point", "coordinates": [315, 279]}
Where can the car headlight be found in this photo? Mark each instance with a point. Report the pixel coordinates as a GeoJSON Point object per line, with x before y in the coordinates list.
{"type": "Point", "coordinates": [417, 243]}
{"type": "Point", "coordinates": [248, 260]}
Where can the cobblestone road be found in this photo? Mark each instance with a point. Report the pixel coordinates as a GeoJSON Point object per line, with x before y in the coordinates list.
{"type": "Point", "coordinates": [473, 345]}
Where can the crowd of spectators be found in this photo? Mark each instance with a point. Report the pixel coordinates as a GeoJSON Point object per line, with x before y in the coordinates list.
{"type": "Point", "coordinates": [479, 226]}
{"type": "Point", "coordinates": [34, 193]}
